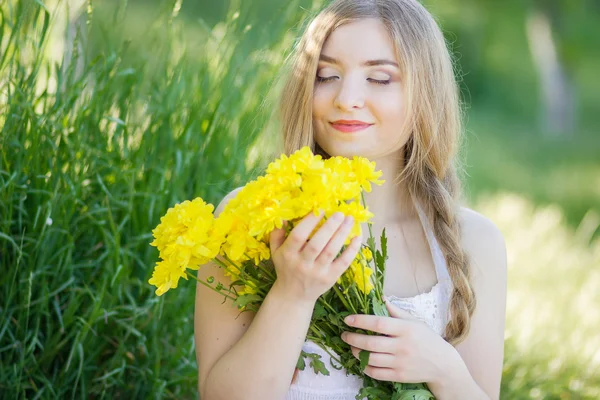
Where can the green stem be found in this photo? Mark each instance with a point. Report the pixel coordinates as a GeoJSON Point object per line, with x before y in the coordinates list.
{"type": "Point", "coordinates": [322, 345]}
{"type": "Point", "coordinates": [242, 274]}
{"type": "Point", "coordinates": [208, 285]}
{"type": "Point", "coordinates": [315, 330]}
{"type": "Point", "coordinates": [349, 306]}
{"type": "Point", "coordinates": [266, 271]}
{"type": "Point", "coordinates": [327, 305]}
{"type": "Point", "coordinates": [226, 267]}
{"type": "Point", "coordinates": [378, 273]}
{"type": "Point", "coordinates": [233, 264]}
{"type": "Point", "coordinates": [362, 297]}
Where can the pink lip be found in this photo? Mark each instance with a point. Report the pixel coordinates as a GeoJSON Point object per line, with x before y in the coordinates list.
{"type": "Point", "coordinates": [349, 126]}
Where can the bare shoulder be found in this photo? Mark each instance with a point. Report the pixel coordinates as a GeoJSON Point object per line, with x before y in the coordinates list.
{"type": "Point", "coordinates": [483, 242]}
{"type": "Point", "coordinates": [230, 196]}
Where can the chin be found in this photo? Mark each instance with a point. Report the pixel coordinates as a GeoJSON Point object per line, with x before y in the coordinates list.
{"type": "Point", "coordinates": [348, 150]}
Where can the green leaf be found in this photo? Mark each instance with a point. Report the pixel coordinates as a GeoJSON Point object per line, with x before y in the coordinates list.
{"type": "Point", "coordinates": [246, 299]}
{"type": "Point", "coordinates": [371, 242]}
{"type": "Point", "coordinates": [317, 365]}
{"type": "Point", "coordinates": [379, 308]}
{"type": "Point", "coordinates": [335, 320]}
{"type": "Point", "coordinates": [239, 282]}
{"type": "Point", "coordinates": [411, 391]}
{"type": "Point", "coordinates": [372, 393]}
{"type": "Point", "coordinates": [380, 260]}
{"type": "Point", "coordinates": [319, 312]}
{"type": "Point", "coordinates": [300, 364]}
{"type": "Point", "coordinates": [337, 341]}
{"type": "Point", "coordinates": [339, 368]}
{"type": "Point", "coordinates": [420, 394]}
{"type": "Point", "coordinates": [350, 363]}
{"type": "Point", "coordinates": [413, 386]}
{"type": "Point", "coordinates": [363, 355]}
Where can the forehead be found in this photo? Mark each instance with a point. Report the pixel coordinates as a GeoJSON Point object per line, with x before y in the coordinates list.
{"type": "Point", "coordinates": [361, 40]}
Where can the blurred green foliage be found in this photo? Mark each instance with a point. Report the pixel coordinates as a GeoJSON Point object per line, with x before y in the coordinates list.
{"type": "Point", "coordinates": [164, 101]}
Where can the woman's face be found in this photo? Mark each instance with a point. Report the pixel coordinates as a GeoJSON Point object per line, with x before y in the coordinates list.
{"type": "Point", "coordinates": [358, 103]}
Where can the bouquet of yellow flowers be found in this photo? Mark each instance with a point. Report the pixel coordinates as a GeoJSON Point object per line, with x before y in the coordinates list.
{"type": "Point", "coordinates": [238, 241]}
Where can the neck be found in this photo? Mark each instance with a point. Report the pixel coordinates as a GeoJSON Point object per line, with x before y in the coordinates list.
{"type": "Point", "coordinates": [390, 201]}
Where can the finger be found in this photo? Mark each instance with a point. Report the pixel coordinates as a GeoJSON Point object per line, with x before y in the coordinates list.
{"type": "Point", "coordinates": [335, 243]}
{"type": "Point", "coordinates": [276, 238]}
{"type": "Point", "coordinates": [379, 344]}
{"type": "Point", "coordinates": [381, 374]}
{"type": "Point", "coordinates": [297, 237]}
{"type": "Point", "coordinates": [385, 360]}
{"type": "Point", "coordinates": [318, 242]}
{"type": "Point", "coordinates": [397, 312]}
{"type": "Point", "coordinates": [384, 325]}
{"type": "Point", "coordinates": [343, 261]}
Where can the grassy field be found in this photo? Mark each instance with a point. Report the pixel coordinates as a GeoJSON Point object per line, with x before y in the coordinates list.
{"type": "Point", "coordinates": [163, 110]}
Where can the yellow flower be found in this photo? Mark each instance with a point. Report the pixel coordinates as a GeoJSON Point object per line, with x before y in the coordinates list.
{"type": "Point", "coordinates": [184, 234]}
{"type": "Point", "coordinates": [366, 253]}
{"type": "Point", "coordinates": [188, 234]}
{"type": "Point", "coordinates": [343, 185]}
{"type": "Point", "coordinates": [165, 276]}
{"type": "Point", "coordinates": [249, 288]}
{"type": "Point", "coordinates": [360, 215]}
{"type": "Point", "coordinates": [259, 252]}
{"type": "Point", "coordinates": [361, 274]}
{"type": "Point", "coordinates": [297, 163]}
{"type": "Point", "coordinates": [365, 173]}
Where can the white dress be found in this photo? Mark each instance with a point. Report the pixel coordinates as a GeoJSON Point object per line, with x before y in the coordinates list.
{"type": "Point", "coordinates": [431, 307]}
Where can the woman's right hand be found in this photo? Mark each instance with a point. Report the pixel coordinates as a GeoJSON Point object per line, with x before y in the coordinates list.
{"type": "Point", "coordinates": [307, 269]}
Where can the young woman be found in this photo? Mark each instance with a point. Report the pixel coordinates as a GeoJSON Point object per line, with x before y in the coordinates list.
{"type": "Point", "coordinates": [372, 78]}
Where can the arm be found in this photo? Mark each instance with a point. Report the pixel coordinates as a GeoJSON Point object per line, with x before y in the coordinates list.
{"type": "Point", "coordinates": [477, 370]}
{"type": "Point", "coordinates": [241, 361]}
{"type": "Point", "coordinates": [253, 356]}
{"type": "Point", "coordinates": [256, 351]}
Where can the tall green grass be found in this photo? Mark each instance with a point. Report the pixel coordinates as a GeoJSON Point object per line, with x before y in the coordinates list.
{"type": "Point", "coordinates": [91, 157]}
{"type": "Point", "coordinates": [552, 347]}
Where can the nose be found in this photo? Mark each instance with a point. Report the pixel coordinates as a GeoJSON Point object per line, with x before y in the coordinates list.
{"type": "Point", "coordinates": [350, 95]}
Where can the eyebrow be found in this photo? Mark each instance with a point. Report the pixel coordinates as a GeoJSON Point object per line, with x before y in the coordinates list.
{"type": "Point", "coordinates": [369, 63]}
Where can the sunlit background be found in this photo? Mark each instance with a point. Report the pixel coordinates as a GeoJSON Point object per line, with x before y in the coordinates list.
{"type": "Point", "coordinates": [113, 111]}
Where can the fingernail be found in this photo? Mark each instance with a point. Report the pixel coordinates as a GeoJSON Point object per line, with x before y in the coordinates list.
{"type": "Point", "coordinates": [338, 216]}
{"type": "Point", "coordinates": [348, 320]}
{"type": "Point", "coordinates": [349, 220]}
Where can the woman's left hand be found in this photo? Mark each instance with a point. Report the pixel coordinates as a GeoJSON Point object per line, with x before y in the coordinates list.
{"type": "Point", "coordinates": [410, 351]}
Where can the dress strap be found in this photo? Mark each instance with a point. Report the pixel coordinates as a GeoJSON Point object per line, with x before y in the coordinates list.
{"type": "Point", "coordinates": [439, 261]}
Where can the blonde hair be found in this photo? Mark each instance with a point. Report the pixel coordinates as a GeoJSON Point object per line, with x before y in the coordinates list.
{"type": "Point", "coordinates": [434, 120]}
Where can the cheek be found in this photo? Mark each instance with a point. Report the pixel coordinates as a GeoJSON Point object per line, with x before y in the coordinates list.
{"type": "Point", "coordinates": [391, 111]}
{"type": "Point", "coordinates": [320, 107]}
{"type": "Point", "coordinates": [320, 102]}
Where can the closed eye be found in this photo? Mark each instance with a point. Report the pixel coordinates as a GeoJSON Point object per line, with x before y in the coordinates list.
{"type": "Point", "coordinates": [322, 79]}
{"type": "Point", "coordinates": [379, 82]}
{"type": "Point", "coordinates": [325, 78]}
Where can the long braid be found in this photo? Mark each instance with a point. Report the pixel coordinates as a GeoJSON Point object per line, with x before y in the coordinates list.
{"type": "Point", "coordinates": [440, 196]}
